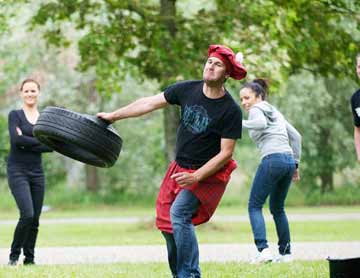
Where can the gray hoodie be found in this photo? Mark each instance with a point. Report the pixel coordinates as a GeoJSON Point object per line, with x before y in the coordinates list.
{"type": "Point", "coordinates": [271, 132]}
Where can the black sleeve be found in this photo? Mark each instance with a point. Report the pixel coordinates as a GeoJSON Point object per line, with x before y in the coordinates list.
{"type": "Point", "coordinates": [232, 127]}
{"type": "Point", "coordinates": [171, 94]}
{"type": "Point", "coordinates": [21, 141]}
{"type": "Point", "coordinates": [176, 93]}
{"type": "Point", "coordinates": [355, 108]}
{"type": "Point", "coordinates": [41, 149]}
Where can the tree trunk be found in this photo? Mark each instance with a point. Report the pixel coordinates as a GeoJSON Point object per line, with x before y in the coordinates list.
{"type": "Point", "coordinates": [327, 152]}
{"type": "Point", "coordinates": [91, 172]}
{"type": "Point", "coordinates": [168, 13]}
{"type": "Point", "coordinates": [327, 173]}
{"type": "Point", "coordinates": [171, 113]}
{"type": "Point", "coordinates": [92, 179]}
{"type": "Point", "coordinates": [327, 182]}
{"type": "Point", "coordinates": [74, 172]}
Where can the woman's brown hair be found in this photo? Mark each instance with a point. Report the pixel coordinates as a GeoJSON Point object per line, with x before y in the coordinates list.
{"type": "Point", "coordinates": [29, 80]}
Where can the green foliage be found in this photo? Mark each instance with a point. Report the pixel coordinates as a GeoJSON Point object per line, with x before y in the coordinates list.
{"type": "Point", "coordinates": [4, 146]}
{"type": "Point", "coordinates": [61, 196]}
{"type": "Point", "coordinates": [346, 195]}
{"type": "Point", "coordinates": [116, 39]}
{"type": "Point", "coordinates": [141, 164]}
{"type": "Point", "coordinates": [57, 78]}
{"type": "Point", "coordinates": [3, 23]}
{"type": "Point", "coordinates": [54, 170]}
{"type": "Point", "coordinates": [128, 35]}
{"type": "Point", "coordinates": [319, 36]}
{"type": "Point", "coordinates": [320, 110]}
{"type": "Point", "coordinates": [7, 11]}
{"type": "Point", "coordinates": [290, 37]}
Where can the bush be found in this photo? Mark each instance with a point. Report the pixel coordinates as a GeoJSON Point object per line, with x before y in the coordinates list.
{"type": "Point", "coordinates": [4, 145]}
{"type": "Point", "coordinates": [78, 197]}
{"type": "Point", "coordinates": [345, 195]}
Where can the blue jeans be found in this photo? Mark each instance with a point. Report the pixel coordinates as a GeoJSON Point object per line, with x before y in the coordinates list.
{"type": "Point", "coordinates": [182, 245]}
{"type": "Point", "coordinates": [273, 177]}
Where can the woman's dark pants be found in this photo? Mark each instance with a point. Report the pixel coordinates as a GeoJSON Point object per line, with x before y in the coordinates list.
{"type": "Point", "coordinates": [27, 185]}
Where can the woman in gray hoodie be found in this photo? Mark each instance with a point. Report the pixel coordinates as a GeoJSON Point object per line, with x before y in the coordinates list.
{"type": "Point", "coordinates": [280, 146]}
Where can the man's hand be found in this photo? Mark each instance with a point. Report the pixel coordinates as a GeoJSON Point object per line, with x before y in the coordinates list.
{"type": "Point", "coordinates": [18, 130]}
{"type": "Point", "coordinates": [185, 178]}
{"type": "Point", "coordinates": [106, 116]}
{"type": "Point", "coordinates": [296, 176]}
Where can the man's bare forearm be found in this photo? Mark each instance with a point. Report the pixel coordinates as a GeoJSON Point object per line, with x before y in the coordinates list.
{"type": "Point", "coordinates": [357, 142]}
{"type": "Point", "coordinates": [218, 161]}
{"type": "Point", "coordinates": [135, 109]}
{"type": "Point", "coordinates": [212, 166]}
{"type": "Point", "coordinates": [138, 108]}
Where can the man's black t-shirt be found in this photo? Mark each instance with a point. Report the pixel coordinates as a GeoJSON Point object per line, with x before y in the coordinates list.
{"type": "Point", "coordinates": [204, 121]}
{"type": "Point", "coordinates": [355, 107]}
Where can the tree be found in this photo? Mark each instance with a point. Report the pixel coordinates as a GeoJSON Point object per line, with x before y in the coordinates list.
{"type": "Point", "coordinates": [316, 36]}
{"type": "Point", "coordinates": [154, 40]}
{"type": "Point", "coordinates": [149, 40]}
{"type": "Point", "coordinates": [320, 109]}
{"type": "Point", "coordinates": [23, 55]}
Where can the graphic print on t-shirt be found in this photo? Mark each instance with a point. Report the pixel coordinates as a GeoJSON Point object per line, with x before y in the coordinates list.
{"type": "Point", "coordinates": [195, 119]}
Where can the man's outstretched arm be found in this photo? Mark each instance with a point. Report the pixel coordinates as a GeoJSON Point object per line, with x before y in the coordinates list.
{"type": "Point", "coordinates": [135, 109]}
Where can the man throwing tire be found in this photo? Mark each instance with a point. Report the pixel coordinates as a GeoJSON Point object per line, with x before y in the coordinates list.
{"type": "Point", "coordinates": [211, 121]}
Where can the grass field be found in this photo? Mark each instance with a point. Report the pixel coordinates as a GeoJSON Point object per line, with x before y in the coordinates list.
{"type": "Point", "coordinates": [158, 270]}
{"type": "Point", "coordinates": [115, 211]}
{"type": "Point", "coordinates": [145, 233]}
{"type": "Point", "coordinates": [110, 234]}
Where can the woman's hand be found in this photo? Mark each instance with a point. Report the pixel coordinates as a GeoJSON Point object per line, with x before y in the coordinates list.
{"type": "Point", "coordinates": [18, 130]}
{"type": "Point", "coordinates": [185, 178]}
{"type": "Point", "coordinates": [106, 116]}
{"type": "Point", "coordinates": [296, 176]}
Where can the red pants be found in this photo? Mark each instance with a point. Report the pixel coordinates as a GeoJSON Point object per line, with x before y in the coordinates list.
{"type": "Point", "coordinates": [208, 191]}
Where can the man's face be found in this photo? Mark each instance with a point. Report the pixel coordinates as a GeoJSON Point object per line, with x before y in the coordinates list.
{"type": "Point", "coordinates": [214, 70]}
{"type": "Point", "coordinates": [358, 67]}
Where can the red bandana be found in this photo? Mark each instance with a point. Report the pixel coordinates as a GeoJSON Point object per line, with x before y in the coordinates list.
{"type": "Point", "coordinates": [234, 68]}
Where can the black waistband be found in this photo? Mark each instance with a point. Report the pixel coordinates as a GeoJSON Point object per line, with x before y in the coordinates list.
{"type": "Point", "coordinates": [189, 166]}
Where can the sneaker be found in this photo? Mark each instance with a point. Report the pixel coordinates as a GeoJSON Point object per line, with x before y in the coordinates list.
{"type": "Point", "coordinates": [264, 256]}
{"type": "Point", "coordinates": [284, 258]}
{"type": "Point", "coordinates": [12, 262]}
{"type": "Point", "coordinates": [28, 262]}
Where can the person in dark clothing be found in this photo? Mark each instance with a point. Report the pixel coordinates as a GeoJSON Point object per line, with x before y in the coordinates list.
{"type": "Point", "coordinates": [355, 108]}
{"type": "Point", "coordinates": [25, 173]}
{"type": "Point", "coordinates": [196, 180]}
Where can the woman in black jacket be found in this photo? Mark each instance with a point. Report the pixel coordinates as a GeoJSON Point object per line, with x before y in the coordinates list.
{"type": "Point", "coordinates": [25, 173]}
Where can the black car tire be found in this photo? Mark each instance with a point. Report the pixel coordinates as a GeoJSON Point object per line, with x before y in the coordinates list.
{"type": "Point", "coordinates": [82, 137]}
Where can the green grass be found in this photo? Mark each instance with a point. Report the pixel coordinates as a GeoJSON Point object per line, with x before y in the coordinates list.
{"type": "Point", "coordinates": [149, 211]}
{"type": "Point", "coordinates": [146, 233]}
{"type": "Point", "coordinates": [317, 269]}
{"type": "Point", "coordinates": [91, 211]}
{"type": "Point", "coordinates": [242, 210]}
